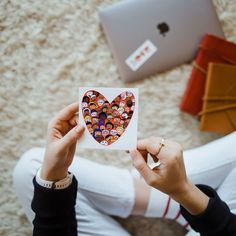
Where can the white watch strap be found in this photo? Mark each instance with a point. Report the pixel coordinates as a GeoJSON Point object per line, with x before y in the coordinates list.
{"type": "Point", "coordinates": [60, 184]}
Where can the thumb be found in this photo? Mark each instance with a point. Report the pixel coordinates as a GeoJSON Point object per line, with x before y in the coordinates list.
{"type": "Point", "coordinates": [142, 167]}
{"type": "Point", "coordinates": [72, 136]}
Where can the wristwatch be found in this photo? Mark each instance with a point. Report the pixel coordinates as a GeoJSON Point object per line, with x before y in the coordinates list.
{"type": "Point", "coordinates": [60, 184]}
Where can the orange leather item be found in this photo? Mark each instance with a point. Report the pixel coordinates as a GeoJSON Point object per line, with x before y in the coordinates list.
{"type": "Point", "coordinates": [219, 102]}
{"type": "Point", "coordinates": [212, 49]}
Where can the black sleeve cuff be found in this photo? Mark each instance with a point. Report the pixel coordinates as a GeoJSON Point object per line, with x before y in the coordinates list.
{"type": "Point", "coordinates": [214, 218]}
{"type": "Point", "coordinates": [53, 202]}
{"type": "Point", "coordinates": [54, 210]}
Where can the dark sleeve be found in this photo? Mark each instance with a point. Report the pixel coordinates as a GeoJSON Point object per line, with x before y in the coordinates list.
{"type": "Point", "coordinates": [54, 210]}
{"type": "Point", "coordinates": [215, 220]}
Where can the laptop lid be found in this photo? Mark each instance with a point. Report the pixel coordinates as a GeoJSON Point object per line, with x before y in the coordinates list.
{"type": "Point", "coordinates": [151, 36]}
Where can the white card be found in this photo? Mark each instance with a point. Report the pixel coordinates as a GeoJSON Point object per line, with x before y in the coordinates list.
{"type": "Point", "coordinates": [110, 117]}
{"type": "Point", "coordinates": [141, 55]}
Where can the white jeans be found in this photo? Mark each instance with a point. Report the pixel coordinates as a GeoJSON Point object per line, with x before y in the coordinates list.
{"type": "Point", "coordinates": [105, 191]}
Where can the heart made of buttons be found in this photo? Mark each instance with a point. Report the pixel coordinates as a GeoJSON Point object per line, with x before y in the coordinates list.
{"type": "Point", "coordinates": [106, 121]}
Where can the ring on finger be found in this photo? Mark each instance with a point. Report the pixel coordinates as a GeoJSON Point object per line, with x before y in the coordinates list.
{"type": "Point", "coordinates": [160, 146]}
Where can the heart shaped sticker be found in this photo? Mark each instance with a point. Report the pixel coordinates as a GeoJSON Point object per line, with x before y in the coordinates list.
{"type": "Point", "coordinates": [106, 121]}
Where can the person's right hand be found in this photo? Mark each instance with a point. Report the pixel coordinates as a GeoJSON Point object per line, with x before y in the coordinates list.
{"type": "Point", "coordinates": [170, 176]}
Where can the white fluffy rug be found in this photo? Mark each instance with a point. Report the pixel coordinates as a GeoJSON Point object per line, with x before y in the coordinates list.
{"type": "Point", "coordinates": [50, 48]}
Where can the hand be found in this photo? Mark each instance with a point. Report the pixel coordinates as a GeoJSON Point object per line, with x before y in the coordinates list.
{"type": "Point", "coordinates": [170, 176]}
{"type": "Point", "coordinates": [63, 133]}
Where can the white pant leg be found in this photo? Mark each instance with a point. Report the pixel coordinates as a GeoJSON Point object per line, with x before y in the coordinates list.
{"type": "Point", "coordinates": [103, 190]}
{"type": "Point", "coordinates": [214, 164]}
{"type": "Point", "coordinates": [90, 220]}
{"type": "Point", "coordinates": [211, 163]}
{"type": "Point", "coordinates": [109, 189]}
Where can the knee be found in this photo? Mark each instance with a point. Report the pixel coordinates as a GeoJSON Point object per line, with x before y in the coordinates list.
{"type": "Point", "coordinates": [27, 167]}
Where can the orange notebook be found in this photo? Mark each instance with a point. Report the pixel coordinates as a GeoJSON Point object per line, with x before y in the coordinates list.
{"type": "Point", "coordinates": [219, 102]}
{"type": "Point", "coordinates": [212, 49]}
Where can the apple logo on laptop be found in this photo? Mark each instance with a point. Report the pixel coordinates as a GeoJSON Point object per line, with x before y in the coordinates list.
{"type": "Point", "coordinates": [163, 28]}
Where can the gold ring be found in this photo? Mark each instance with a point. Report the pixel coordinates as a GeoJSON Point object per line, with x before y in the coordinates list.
{"type": "Point", "coordinates": [161, 144]}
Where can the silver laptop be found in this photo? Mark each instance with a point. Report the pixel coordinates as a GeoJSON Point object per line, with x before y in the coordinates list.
{"type": "Point", "coordinates": [150, 36]}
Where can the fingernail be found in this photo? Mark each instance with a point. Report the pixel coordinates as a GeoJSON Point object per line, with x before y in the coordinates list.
{"type": "Point", "coordinates": [79, 128]}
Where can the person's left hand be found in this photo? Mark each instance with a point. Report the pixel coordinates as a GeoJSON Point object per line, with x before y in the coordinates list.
{"type": "Point", "coordinates": [170, 177]}
{"type": "Point", "coordinates": [63, 133]}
